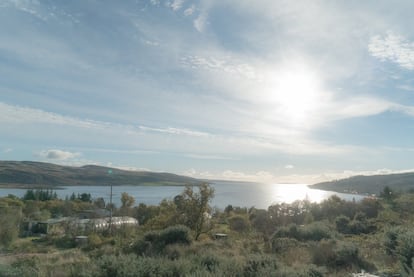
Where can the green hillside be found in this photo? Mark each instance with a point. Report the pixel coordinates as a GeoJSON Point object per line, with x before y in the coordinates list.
{"type": "Point", "coordinates": [37, 174]}
{"type": "Point", "coordinates": [370, 184]}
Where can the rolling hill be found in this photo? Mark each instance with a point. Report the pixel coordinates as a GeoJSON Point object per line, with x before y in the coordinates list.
{"type": "Point", "coordinates": [370, 184]}
{"type": "Point", "coordinates": [38, 174]}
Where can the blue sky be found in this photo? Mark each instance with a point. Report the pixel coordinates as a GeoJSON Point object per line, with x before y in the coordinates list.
{"type": "Point", "coordinates": [267, 90]}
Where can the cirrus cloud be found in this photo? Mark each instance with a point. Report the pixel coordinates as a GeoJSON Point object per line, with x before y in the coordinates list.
{"type": "Point", "coordinates": [394, 48]}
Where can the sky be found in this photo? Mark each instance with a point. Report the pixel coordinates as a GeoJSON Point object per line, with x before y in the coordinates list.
{"type": "Point", "coordinates": [267, 90]}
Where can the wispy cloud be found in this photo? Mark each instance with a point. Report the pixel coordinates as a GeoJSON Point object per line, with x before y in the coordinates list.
{"type": "Point", "coordinates": [174, 131]}
{"type": "Point", "coordinates": [226, 65]}
{"type": "Point", "coordinates": [201, 22]}
{"type": "Point", "coordinates": [394, 48]}
{"type": "Point", "coordinates": [189, 11]}
{"type": "Point", "coordinates": [176, 4]}
{"type": "Point", "coordinates": [209, 157]}
{"type": "Point", "coordinates": [18, 114]}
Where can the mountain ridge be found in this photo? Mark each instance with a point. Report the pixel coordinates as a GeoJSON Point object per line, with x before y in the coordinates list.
{"type": "Point", "coordinates": [372, 184]}
{"type": "Point", "coordinates": [41, 174]}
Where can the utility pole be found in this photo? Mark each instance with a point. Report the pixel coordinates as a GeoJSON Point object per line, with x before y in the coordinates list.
{"type": "Point", "coordinates": [110, 206]}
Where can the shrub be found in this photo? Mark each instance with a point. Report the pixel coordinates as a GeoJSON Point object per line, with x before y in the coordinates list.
{"type": "Point", "coordinates": [239, 223]}
{"type": "Point", "coordinates": [21, 267]}
{"type": "Point", "coordinates": [405, 250]}
{"type": "Point", "coordinates": [338, 255]}
{"type": "Point", "coordinates": [323, 253]}
{"type": "Point", "coordinates": [131, 265]}
{"type": "Point", "coordinates": [157, 241]}
{"type": "Point", "coordinates": [346, 254]}
{"type": "Point", "coordinates": [176, 234]}
{"type": "Point", "coordinates": [281, 245]}
{"type": "Point", "coordinates": [342, 224]}
{"type": "Point", "coordinates": [315, 232]}
{"type": "Point", "coordinates": [94, 241]}
{"type": "Point", "coordinates": [210, 261]}
{"type": "Point", "coordinates": [12, 271]}
{"type": "Point", "coordinates": [390, 241]}
{"type": "Point", "coordinates": [258, 265]}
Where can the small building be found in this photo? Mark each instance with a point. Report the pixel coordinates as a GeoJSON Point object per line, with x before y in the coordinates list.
{"type": "Point", "coordinates": [59, 226]}
{"type": "Point", "coordinates": [54, 226]}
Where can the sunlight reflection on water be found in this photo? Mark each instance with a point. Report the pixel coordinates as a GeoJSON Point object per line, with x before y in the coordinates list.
{"type": "Point", "coordinates": [226, 193]}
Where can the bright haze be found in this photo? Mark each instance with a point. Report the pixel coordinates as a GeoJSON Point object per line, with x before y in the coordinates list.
{"type": "Point", "coordinates": [272, 91]}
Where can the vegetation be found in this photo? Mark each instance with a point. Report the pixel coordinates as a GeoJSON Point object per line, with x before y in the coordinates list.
{"type": "Point", "coordinates": [371, 184]}
{"type": "Point", "coordinates": [186, 237]}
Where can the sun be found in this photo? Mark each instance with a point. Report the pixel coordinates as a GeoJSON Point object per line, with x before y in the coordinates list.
{"type": "Point", "coordinates": [293, 95]}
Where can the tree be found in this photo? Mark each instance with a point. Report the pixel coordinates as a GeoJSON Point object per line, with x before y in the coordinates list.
{"type": "Point", "coordinates": [11, 215]}
{"type": "Point", "coordinates": [85, 197]}
{"type": "Point", "coordinates": [99, 203]}
{"type": "Point", "coordinates": [127, 200]}
{"type": "Point", "coordinates": [387, 194]}
{"type": "Point", "coordinates": [194, 207]}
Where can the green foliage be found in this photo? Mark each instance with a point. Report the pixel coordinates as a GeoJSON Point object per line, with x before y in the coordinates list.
{"type": "Point", "coordinates": [13, 271]}
{"type": "Point", "coordinates": [94, 241]}
{"type": "Point", "coordinates": [193, 207]}
{"type": "Point", "coordinates": [282, 245]}
{"type": "Point", "coordinates": [26, 267]}
{"type": "Point", "coordinates": [405, 250]}
{"type": "Point", "coordinates": [390, 240]}
{"type": "Point", "coordinates": [175, 234]}
{"type": "Point", "coordinates": [370, 184]}
{"type": "Point", "coordinates": [259, 265]}
{"type": "Point", "coordinates": [312, 232]}
{"type": "Point", "coordinates": [127, 200]}
{"type": "Point", "coordinates": [9, 224]}
{"type": "Point", "coordinates": [342, 224]}
{"type": "Point", "coordinates": [155, 242]}
{"type": "Point", "coordinates": [65, 242]}
{"type": "Point", "coordinates": [239, 223]}
{"type": "Point", "coordinates": [40, 195]}
{"type": "Point", "coordinates": [131, 265]}
{"type": "Point", "coordinates": [387, 194]}
{"type": "Point", "coordinates": [261, 221]}
{"type": "Point", "coordinates": [338, 254]}
{"type": "Point", "coordinates": [144, 213]}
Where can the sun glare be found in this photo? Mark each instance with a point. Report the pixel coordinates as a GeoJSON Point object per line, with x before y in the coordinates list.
{"type": "Point", "coordinates": [293, 95]}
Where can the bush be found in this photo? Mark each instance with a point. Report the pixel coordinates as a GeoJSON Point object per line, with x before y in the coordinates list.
{"type": "Point", "coordinates": [176, 234]}
{"type": "Point", "coordinates": [22, 267]}
{"type": "Point", "coordinates": [155, 242]}
{"type": "Point", "coordinates": [12, 271]}
{"type": "Point", "coordinates": [131, 265]}
{"type": "Point", "coordinates": [342, 224]}
{"type": "Point", "coordinates": [391, 240]}
{"type": "Point", "coordinates": [258, 265]}
{"type": "Point", "coordinates": [338, 255]}
{"type": "Point", "coordinates": [313, 232]}
{"type": "Point", "coordinates": [94, 241]}
{"type": "Point", "coordinates": [347, 254]}
{"type": "Point", "coordinates": [405, 250]}
{"type": "Point", "coordinates": [282, 245]}
{"type": "Point", "coordinates": [239, 223]}
{"type": "Point", "coordinates": [359, 225]}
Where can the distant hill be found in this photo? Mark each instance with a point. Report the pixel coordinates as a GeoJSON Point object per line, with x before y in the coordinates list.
{"type": "Point", "coordinates": [37, 174]}
{"type": "Point", "coordinates": [370, 184]}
